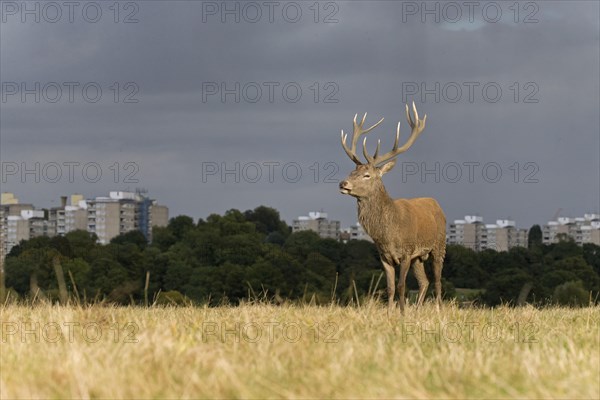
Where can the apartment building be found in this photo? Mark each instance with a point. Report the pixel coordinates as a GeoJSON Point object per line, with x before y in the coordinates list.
{"type": "Point", "coordinates": [355, 232]}
{"type": "Point", "coordinates": [504, 235]}
{"type": "Point", "coordinates": [467, 232]}
{"type": "Point", "coordinates": [69, 216]}
{"type": "Point", "coordinates": [582, 230]}
{"type": "Point", "coordinates": [317, 222]}
{"type": "Point", "coordinates": [148, 214]}
{"type": "Point", "coordinates": [14, 222]}
{"type": "Point", "coordinates": [121, 212]}
{"type": "Point", "coordinates": [107, 217]}
{"type": "Point", "coordinates": [112, 215]}
{"type": "Point", "coordinates": [473, 233]}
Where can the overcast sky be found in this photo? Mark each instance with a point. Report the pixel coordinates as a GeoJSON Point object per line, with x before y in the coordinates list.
{"type": "Point", "coordinates": [511, 96]}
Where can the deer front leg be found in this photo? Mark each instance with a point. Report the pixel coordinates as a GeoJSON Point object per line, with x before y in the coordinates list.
{"type": "Point", "coordinates": [419, 271]}
{"type": "Point", "coordinates": [391, 282]}
{"type": "Point", "coordinates": [404, 266]}
{"type": "Point", "coordinates": [438, 264]}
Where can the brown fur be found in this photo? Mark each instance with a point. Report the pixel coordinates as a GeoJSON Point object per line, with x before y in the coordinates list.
{"type": "Point", "coordinates": [405, 231]}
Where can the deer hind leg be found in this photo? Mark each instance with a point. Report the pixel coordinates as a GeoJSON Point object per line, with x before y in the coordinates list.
{"type": "Point", "coordinates": [419, 271]}
{"type": "Point", "coordinates": [438, 264]}
{"type": "Point", "coordinates": [390, 277]}
{"type": "Point", "coordinates": [404, 266]}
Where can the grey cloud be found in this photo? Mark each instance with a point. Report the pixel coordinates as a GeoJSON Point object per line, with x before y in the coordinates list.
{"type": "Point", "coordinates": [368, 54]}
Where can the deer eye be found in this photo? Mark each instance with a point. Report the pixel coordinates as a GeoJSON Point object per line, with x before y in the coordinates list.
{"type": "Point", "coordinates": [366, 176]}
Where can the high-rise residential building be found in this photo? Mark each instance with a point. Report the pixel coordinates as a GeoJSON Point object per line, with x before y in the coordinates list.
{"type": "Point", "coordinates": [107, 217]}
{"type": "Point", "coordinates": [122, 212]}
{"type": "Point", "coordinates": [68, 216]}
{"type": "Point", "coordinates": [582, 230]}
{"type": "Point", "coordinates": [355, 232]}
{"type": "Point", "coordinates": [159, 216]}
{"type": "Point", "coordinates": [317, 222]}
{"type": "Point", "coordinates": [111, 216]}
{"type": "Point", "coordinates": [14, 222]}
{"type": "Point", "coordinates": [39, 224]}
{"type": "Point", "coordinates": [7, 198]}
{"type": "Point", "coordinates": [468, 232]}
{"type": "Point", "coordinates": [471, 232]}
{"type": "Point", "coordinates": [149, 214]}
{"type": "Point", "coordinates": [504, 235]}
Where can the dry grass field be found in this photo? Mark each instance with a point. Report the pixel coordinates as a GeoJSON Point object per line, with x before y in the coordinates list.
{"type": "Point", "coordinates": [291, 351]}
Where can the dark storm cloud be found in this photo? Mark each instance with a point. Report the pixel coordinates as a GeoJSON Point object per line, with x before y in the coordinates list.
{"type": "Point", "coordinates": [364, 62]}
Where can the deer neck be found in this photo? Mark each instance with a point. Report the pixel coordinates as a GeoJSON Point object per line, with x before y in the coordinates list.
{"type": "Point", "coordinates": [375, 213]}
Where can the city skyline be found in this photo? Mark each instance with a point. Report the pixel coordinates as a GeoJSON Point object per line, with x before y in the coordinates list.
{"type": "Point", "coordinates": [471, 230]}
{"type": "Point", "coordinates": [104, 216]}
{"type": "Point", "coordinates": [343, 225]}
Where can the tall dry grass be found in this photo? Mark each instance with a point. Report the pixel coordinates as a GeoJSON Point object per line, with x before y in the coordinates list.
{"type": "Point", "coordinates": [102, 351]}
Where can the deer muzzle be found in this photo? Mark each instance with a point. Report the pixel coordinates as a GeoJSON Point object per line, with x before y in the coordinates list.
{"type": "Point", "coordinates": [345, 187]}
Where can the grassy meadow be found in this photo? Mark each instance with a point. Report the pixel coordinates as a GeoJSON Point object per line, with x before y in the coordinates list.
{"type": "Point", "coordinates": [258, 350]}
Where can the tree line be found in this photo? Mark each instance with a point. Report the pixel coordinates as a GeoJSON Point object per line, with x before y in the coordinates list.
{"type": "Point", "coordinates": [225, 259]}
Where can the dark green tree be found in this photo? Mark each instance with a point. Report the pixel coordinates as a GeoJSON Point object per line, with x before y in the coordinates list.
{"type": "Point", "coordinates": [40, 242]}
{"type": "Point", "coordinates": [293, 272]}
{"type": "Point", "coordinates": [180, 225]}
{"type": "Point", "coordinates": [134, 237]}
{"type": "Point", "coordinates": [591, 254]}
{"type": "Point", "coordinates": [276, 238]}
{"type": "Point", "coordinates": [571, 293]}
{"type": "Point", "coordinates": [505, 286]}
{"type": "Point", "coordinates": [163, 238]}
{"type": "Point", "coordinates": [18, 271]}
{"type": "Point", "coordinates": [579, 268]}
{"type": "Point", "coordinates": [178, 274]}
{"type": "Point", "coordinates": [82, 243]}
{"type": "Point", "coordinates": [79, 269]}
{"type": "Point", "coordinates": [565, 248]}
{"type": "Point", "coordinates": [264, 278]}
{"type": "Point", "coordinates": [110, 280]}
{"type": "Point", "coordinates": [461, 267]}
{"type": "Point", "coordinates": [534, 238]}
{"type": "Point", "coordinates": [267, 221]}
{"type": "Point", "coordinates": [155, 262]}
{"type": "Point", "coordinates": [301, 244]}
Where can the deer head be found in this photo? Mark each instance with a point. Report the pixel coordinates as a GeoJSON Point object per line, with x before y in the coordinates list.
{"type": "Point", "coordinates": [366, 178]}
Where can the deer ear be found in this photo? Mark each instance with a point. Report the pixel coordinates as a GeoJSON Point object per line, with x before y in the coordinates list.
{"type": "Point", "coordinates": [386, 167]}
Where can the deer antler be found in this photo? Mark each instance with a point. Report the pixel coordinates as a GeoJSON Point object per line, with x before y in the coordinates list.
{"type": "Point", "coordinates": [356, 133]}
{"type": "Point", "coordinates": [417, 127]}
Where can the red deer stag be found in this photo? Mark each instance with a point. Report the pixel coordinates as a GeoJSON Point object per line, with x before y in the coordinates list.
{"type": "Point", "coordinates": [405, 231]}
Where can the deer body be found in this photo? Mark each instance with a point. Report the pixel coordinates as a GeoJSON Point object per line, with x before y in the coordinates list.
{"type": "Point", "coordinates": [390, 227]}
{"type": "Point", "coordinates": [405, 231]}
